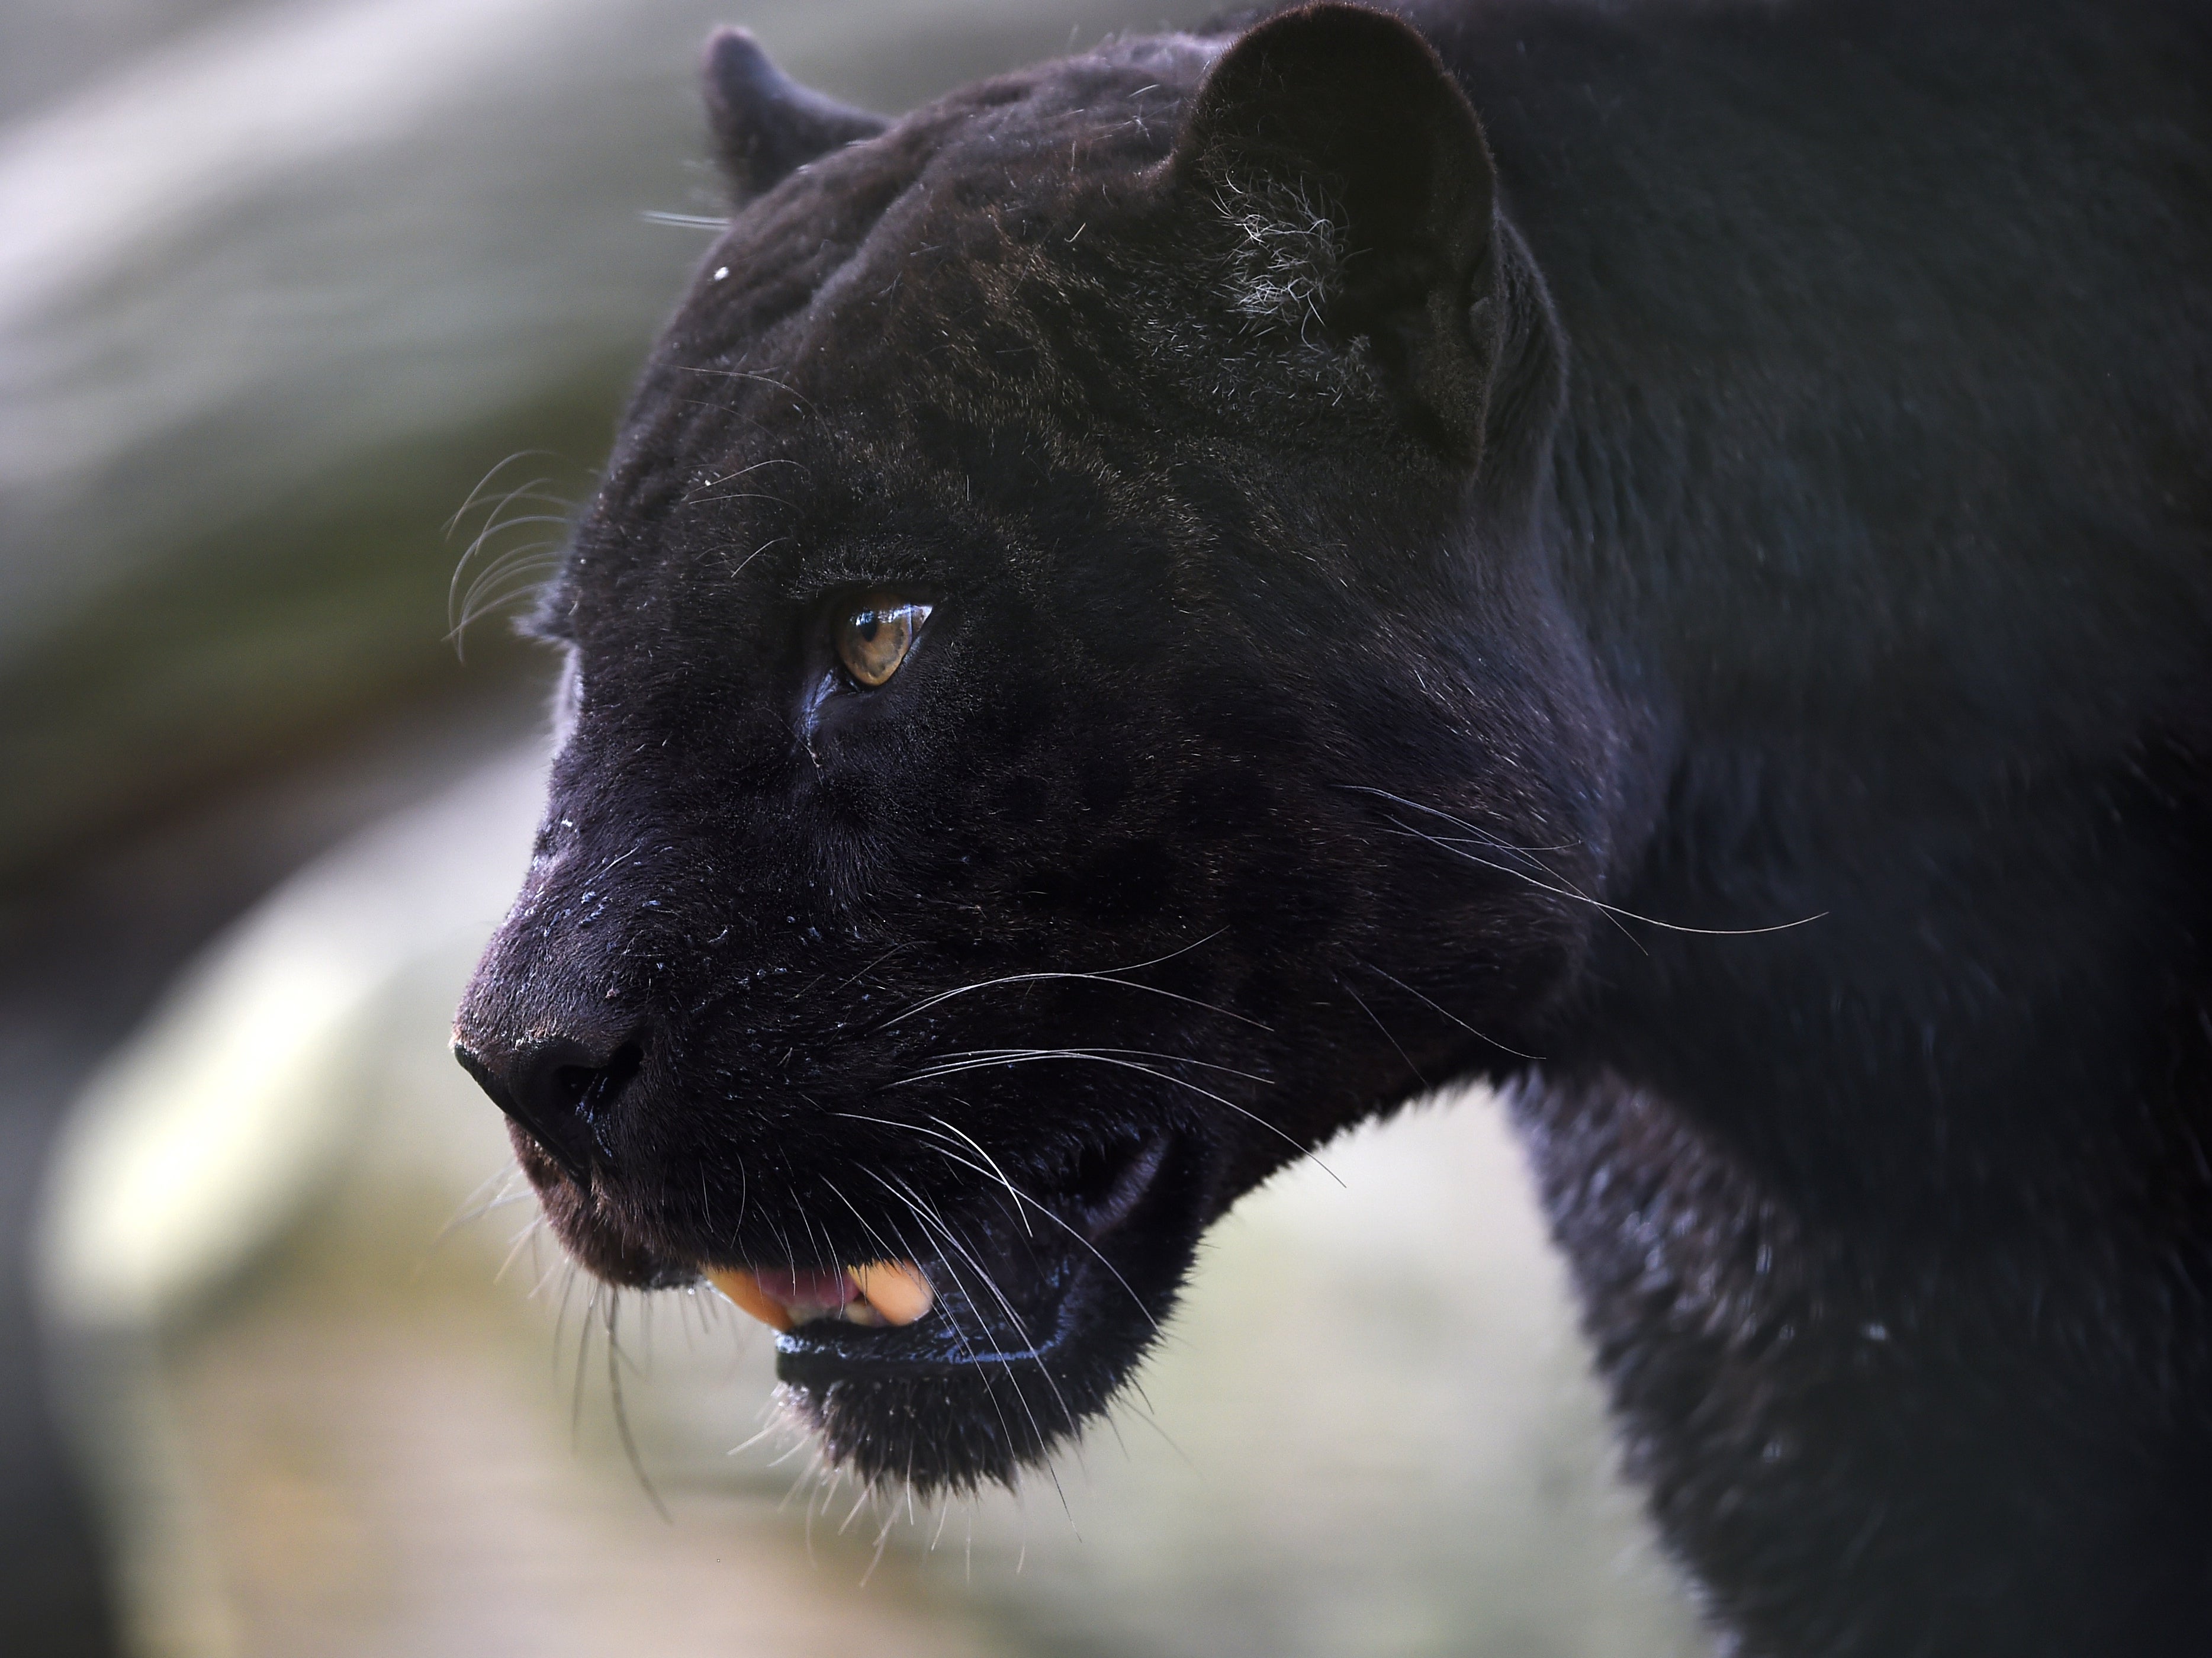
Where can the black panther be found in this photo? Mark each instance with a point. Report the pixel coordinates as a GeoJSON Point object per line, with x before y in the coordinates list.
{"type": "Point", "coordinates": [1658, 553]}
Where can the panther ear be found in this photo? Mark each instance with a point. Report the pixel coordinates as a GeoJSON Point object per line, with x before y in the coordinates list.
{"type": "Point", "coordinates": [1359, 197]}
{"type": "Point", "coordinates": [765, 124]}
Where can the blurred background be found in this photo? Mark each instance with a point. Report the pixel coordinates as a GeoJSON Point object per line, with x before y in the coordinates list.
{"type": "Point", "coordinates": [304, 306]}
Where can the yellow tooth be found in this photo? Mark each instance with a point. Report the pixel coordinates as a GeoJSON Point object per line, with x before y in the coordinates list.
{"type": "Point", "coordinates": [896, 1288]}
{"type": "Point", "coordinates": [743, 1290]}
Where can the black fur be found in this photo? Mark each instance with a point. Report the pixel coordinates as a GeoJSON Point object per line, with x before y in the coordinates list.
{"type": "Point", "coordinates": [1692, 597]}
{"type": "Point", "coordinates": [765, 124]}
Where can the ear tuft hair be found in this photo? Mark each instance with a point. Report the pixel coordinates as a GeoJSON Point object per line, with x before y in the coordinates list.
{"type": "Point", "coordinates": [1289, 253]}
{"type": "Point", "coordinates": [766, 125]}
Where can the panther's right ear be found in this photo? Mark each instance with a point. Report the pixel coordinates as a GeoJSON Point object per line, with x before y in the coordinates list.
{"type": "Point", "coordinates": [765, 124]}
{"type": "Point", "coordinates": [1354, 180]}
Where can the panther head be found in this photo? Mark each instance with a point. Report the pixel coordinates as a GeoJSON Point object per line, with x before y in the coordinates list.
{"type": "Point", "coordinates": [1065, 701]}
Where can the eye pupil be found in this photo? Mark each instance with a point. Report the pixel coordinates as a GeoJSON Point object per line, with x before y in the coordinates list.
{"type": "Point", "coordinates": [876, 634]}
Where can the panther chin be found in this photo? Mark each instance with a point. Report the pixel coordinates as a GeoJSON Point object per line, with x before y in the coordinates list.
{"type": "Point", "coordinates": [951, 1369]}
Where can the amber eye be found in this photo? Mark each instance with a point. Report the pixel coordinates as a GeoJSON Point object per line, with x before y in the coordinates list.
{"type": "Point", "coordinates": [876, 634]}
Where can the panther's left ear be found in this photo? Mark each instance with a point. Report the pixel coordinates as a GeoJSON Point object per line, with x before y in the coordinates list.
{"type": "Point", "coordinates": [1359, 195]}
{"type": "Point", "coordinates": [766, 124]}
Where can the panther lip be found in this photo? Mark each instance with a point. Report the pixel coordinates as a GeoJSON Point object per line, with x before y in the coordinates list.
{"type": "Point", "coordinates": [881, 1293]}
{"type": "Point", "coordinates": [876, 1293]}
{"type": "Point", "coordinates": [1010, 1289]}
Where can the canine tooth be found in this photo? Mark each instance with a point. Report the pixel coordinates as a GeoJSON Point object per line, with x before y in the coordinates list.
{"type": "Point", "coordinates": [744, 1292]}
{"type": "Point", "coordinates": [895, 1289]}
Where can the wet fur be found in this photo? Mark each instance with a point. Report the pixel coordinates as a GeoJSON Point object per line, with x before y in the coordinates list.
{"type": "Point", "coordinates": [1799, 505]}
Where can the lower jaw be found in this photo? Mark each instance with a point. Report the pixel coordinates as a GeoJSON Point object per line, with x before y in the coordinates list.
{"type": "Point", "coordinates": [942, 1431]}
{"type": "Point", "coordinates": [940, 1417]}
{"type": "Point", "coordinates": [940, 1412]}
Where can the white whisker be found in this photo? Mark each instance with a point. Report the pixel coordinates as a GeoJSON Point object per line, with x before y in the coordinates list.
{"type": "Point", "coordinates": [983, 1059]}
{"type": "Point", "coordinates": [1108, 976]}
{"type": "Point", "coordinates": [1566, 891]}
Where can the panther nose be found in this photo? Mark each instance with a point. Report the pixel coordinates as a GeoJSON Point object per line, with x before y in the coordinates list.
{"type": "Point", "coordinates": [557, 1088]}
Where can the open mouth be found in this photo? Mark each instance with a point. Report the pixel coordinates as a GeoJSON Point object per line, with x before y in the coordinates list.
{"type": "Point", "coordinates": [1001, 1333]}
{"type": "Point", "coordinates": [987, 1293]}
{"type": "Point", "coordinates": [876, 1294]}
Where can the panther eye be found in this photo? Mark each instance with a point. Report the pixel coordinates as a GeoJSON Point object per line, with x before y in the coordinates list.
{"type": "Point", "coordinates": [876, 634]}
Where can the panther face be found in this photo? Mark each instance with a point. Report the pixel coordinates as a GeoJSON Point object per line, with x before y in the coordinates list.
{"type": "Point", "coordinates": [1062, 706]}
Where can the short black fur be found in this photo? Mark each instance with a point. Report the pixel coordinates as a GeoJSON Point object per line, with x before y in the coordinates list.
{"type": "Point", "coordinates": [1688, 595]}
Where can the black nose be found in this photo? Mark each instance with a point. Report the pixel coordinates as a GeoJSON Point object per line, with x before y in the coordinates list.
{"type": "Point", "coordinates": [560, 1090]}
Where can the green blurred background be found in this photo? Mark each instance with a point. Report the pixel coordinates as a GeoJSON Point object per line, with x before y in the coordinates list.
{"type": "Point", "coordinates": [281, 284]}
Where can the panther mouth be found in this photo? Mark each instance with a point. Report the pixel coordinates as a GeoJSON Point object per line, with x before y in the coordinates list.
{"type": "Point", "coordinates": [875, 1294]}
{"type": "Point", "coordinates": [1004, 1289]}
{"type": "Point", "coordinates": [958, 1364]}
{"type": "Point", "coordinates": [949, 1331]}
